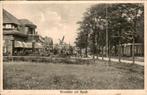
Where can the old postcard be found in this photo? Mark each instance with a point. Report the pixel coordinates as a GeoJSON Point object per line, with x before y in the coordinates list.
{"type": "Point", "coordinates": [76, 47]}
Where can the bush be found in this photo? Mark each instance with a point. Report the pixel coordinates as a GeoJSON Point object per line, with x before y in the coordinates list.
{"type": "Point", "coordinates": [38, 59]}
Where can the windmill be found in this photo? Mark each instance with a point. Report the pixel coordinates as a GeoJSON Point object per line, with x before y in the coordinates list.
{"type": "Point", "coordinates": [61, 41]}
{"type": "Point", "coordinates": [61, 45]}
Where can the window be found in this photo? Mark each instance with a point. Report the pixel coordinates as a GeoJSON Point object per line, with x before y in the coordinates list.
{"type": "Point", "coordinates": [8, 26]}
{"type": "Point", "coordinates": [26, 29]}
{"type": "Point", "coordinates": [30, 31]}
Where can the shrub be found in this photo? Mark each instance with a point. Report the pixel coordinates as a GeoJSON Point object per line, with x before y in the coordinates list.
{"type": "Point", "coordinates": [38, 59]}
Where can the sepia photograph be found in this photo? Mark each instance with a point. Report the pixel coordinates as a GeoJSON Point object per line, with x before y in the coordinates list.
{"type": "Point", "coordinates": [73, 46]}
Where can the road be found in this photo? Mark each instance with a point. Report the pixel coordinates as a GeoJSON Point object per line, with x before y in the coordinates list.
{"type": "Point", "coordinates": [117, 60]}
{"type": "Point", "coordinates": [122, 60]}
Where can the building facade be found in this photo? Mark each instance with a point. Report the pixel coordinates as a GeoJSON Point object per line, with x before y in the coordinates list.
{"type": "Point", "coordinates": [19, 36]}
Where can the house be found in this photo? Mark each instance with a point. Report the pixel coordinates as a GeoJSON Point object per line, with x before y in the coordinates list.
{"type": "Point", "coordinates": [19, 35]}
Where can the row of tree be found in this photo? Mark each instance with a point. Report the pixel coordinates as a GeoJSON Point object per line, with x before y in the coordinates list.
{"type": "Point", "coordinates": [109, 26]}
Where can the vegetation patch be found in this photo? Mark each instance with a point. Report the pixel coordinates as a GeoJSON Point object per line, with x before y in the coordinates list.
{"type": "Point", "coordinates": [29, 75]}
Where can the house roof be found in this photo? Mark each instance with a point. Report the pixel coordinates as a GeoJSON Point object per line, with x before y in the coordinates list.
{"type": "Point", "coordinates": [27, 23]}
{"type": "Point", "coordinates": [9, 18]}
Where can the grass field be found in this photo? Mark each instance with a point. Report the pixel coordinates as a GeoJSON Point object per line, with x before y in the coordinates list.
{"type": "Point", "coordinates": [27, 75]}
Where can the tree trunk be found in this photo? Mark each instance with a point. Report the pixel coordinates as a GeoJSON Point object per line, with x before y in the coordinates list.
{"type": "Point", "coordinates": [86, 52]}
{"type": "Point", "coordinates": [102, 52]}
{"type": "Point", "coordinates": [119, 52]}
{"type": "Point", "coordinates": [109, 53]}
{"type": "Point", "coordinates": [131, 50]}
{"type": "Point", "coordinates": [94, 47]}
{"type": "Point", "coordinates": [115, 50]}
{"type": "Point", "coordinates": [80, 52]}
{"type": "Point", "coordinates": [122, 50]}
{"type": "Point", "coordinates": [97, 53]}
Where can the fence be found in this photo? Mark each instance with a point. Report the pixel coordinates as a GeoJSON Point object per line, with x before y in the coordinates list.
{"type": "Point", "coordinates": [127, 49]}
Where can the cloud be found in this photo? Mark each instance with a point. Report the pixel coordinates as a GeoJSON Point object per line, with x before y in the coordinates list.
{"type": "Point", "coordinates": [52, 25]}
{"type": "Point", "coordinates": [53, 20]}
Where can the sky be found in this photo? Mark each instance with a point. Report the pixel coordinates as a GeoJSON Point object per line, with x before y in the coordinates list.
{"type": "Point", "coordinates": [52, 20]}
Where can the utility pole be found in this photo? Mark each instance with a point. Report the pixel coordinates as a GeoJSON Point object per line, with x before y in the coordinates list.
{"type": "Point", "coordinates": [133, 44]}
{"type": "Point", "coordinates": [119, 52]}
{"type": "Point", "coordinates": [106, 34]}
{"type": "Point", "coordinates": [107, 42]}
{"type": "Point", "coordinates": [133, 48]}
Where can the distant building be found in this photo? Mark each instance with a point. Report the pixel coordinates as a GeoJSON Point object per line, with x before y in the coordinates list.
{"type": "Point", "coordinates": [19, 35]}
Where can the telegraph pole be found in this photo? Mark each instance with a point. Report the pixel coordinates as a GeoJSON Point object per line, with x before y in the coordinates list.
{"type": "Point", "coordinates": [133, 47]}
{"type": "Point", "coordinates": [107, 42]}
{"type": "Point", "coordinates": [133, 44]}
{"type": "Point", "coordinates": [119, 52]}
{"type": "Point", "coordinates": [106, 34]}
{"type": "Point", "coordinates": [133, 38]}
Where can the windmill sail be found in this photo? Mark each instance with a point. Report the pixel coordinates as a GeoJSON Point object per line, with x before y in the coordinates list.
{"type": "Point", "coordinates": [62, 38]}
{"type": "Point", "coordinates": [61, 41]}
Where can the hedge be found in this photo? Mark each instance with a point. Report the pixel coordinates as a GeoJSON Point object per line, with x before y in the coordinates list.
{"type": "Point", "coordinates": [40, 59]}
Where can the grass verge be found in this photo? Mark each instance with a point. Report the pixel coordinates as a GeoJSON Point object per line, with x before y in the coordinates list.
{"type": "Point", "coordinates": [29, 75]}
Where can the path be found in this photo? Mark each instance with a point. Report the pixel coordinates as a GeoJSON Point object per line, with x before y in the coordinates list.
{"type": "Point", "coordinates": [122, 60]}
{"type": "Point", "coordinates": [117, 60]}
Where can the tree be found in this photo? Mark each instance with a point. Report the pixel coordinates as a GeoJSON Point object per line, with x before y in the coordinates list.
{"type": "Point", "coordinates": [123, 20]}
{"type": "Point", "coordinates": [104, 24]}
{"type": "Point", "coordinates": [81, 42]}
{"type": "Point", "coordinates": [91, 26]}
{"type": "Point", "coordinates": [83, 36]}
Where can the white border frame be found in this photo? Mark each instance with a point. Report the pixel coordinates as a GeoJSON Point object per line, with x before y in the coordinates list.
{"type": "Point", "coordinates": [90, 92]}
